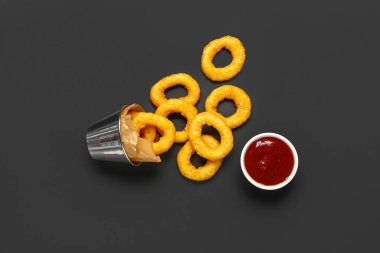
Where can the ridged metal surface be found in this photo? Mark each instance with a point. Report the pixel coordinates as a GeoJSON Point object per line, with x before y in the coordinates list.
{"type": "Point", "coordinates": [104, 140]}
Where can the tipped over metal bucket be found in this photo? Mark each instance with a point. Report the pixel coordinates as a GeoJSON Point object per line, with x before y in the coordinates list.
{"type": "Point", "coordinates": [104, 140]}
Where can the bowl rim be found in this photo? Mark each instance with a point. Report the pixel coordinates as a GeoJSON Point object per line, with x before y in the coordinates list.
{"type": "Point", "coordinates": [254, 182]}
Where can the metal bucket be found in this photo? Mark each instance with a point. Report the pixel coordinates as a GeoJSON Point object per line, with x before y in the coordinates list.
{"type": "Point", "coordinates": [104, 140]}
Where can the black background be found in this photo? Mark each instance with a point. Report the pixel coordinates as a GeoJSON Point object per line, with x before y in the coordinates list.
{"type": "Point", "coordinates": [312, 72]}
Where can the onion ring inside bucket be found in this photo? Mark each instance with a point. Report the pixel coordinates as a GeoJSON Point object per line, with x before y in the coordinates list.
{"type": "Point", "coordinates": [195, 133]}
{"type": "Point", "coordinates": [164, 126]}
{"type": "Point", "coordinates": [240, 98]}
{"type": "Point", "coordinates": [204, 172]}
{"type": "Point", "coordinates": [237, 51]}
{"type": "Point", "coordinates": [149, 132]}
{"type": "Point", "coordinates": [187, 110]}
{"type": "Point", "coordinates": [157, 92]}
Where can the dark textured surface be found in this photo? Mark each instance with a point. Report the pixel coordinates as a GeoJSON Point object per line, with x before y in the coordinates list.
{"type": "Point", "coordinates": [312, 73]}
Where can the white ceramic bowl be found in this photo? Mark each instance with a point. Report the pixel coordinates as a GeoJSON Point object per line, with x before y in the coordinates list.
{"type": "Point", "coordinates": [257, 184]}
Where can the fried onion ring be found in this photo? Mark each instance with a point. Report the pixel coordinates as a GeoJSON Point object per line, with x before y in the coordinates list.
{"type": "Point", "coordinates": [149, 132]}
{"type": "Point", "coordinates": [157, 93]}
{"type": "Point", "coordinates": [237, 51]}
{"type": "Point", "coordinates": [164, 126]}
{"type": "Point", "coordinates": [204, 172]}
{"type": "Point", "coordinates": [226, 137]}
{"type": "Point", "coordinates": [187, 110]}
{"type": "Point", "coordinates": [240, 98]}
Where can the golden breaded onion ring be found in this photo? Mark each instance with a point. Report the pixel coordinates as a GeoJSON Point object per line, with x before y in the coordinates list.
{"type": "Point", "coordinates": [240, 98]}
{"type": "Point", "coordinates": [204, 172]}
{"type": "Point", "coordinates": [195, 132]}
{"type": "Point", "coordinates": [187, 110]}
{"type": "Point", "coordinates": [164, 126]}
{"type": "Point", "coordinates": [149, 132]}
{"type": "Point", "coordinates": [157, 93]}
{"type": "Point", "coordinates": [237, 51]}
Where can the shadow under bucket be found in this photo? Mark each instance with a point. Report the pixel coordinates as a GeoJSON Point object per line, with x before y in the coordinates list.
{"type": "Point", "coordinates": [104, 140]}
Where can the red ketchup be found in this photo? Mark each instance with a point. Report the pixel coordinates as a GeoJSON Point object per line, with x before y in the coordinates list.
{"type": "Point", "coordinates": [269, 161]}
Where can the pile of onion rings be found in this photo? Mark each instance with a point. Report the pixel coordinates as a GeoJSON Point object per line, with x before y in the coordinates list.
{"type": "Point", "coordinates": [157, 128]}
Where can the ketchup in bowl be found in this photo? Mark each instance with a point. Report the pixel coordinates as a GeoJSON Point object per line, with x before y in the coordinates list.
{"type": "Point", "coordinates": [269, 159]}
